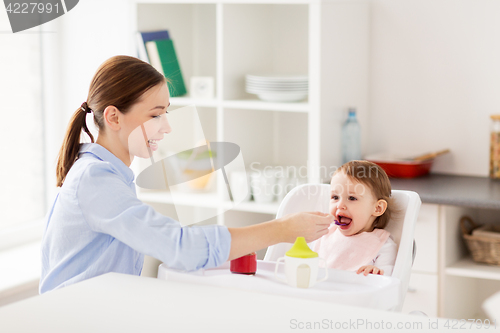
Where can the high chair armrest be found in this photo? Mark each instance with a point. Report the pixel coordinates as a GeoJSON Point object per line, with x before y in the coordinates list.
{"type": "Point", "coordinates": [414, 252]}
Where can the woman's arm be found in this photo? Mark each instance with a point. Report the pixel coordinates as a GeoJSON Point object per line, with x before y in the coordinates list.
{"type": "Point", "coordinates": [110, 206]}
{"type": "Point", "coordinates": [310, 225]}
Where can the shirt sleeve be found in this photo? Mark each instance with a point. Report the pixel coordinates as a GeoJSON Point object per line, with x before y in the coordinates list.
{"type": "Point", "coordinates": [386, 257]}
{"type": "Point", "coordinates": [110, 206]}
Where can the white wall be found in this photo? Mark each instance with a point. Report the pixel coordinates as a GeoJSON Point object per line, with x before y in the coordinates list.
{"type": "Point", "coordinates": [435, 79]}
{"type": "Point", "coordinates": [21, 149]}
{"type": "Point", "coordinates": [92, 32]}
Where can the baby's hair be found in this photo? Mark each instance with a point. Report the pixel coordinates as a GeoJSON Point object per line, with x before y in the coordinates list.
{"type": "Point", "coordinates": [376, 179]}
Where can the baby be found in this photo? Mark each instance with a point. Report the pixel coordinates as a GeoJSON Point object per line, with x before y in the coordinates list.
{"type": "Point", "coordinates": [361, 204]}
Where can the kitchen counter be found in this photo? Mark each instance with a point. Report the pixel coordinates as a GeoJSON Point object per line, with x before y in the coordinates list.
{"type": "Point", "coordinates": [463, 191]}
{"type": "Point", "coordinates": [125, 303]}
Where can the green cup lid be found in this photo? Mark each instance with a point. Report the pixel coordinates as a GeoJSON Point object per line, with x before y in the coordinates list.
{"type": "Point", "coordinates": [301, 250]}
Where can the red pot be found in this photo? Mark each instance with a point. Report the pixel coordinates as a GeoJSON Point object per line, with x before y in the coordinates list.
{"type": "Point", "coordinates": [405, 169]}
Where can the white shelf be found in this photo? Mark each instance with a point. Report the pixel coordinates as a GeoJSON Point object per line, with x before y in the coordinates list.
{"type": "Point", "coordinates": [254, 104]}
{"type": "Point", "coordinates": [250, 104]}
{"type": "Point", "coordinates": [208, 200]}
{"type": "Point", "coordinates": [468, 268]}
{"type": "Point", "coordinates": [184, 101]}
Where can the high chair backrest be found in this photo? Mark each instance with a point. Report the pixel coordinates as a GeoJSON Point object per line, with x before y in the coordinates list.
{"type": "Point", "coordinates": [316, 197]}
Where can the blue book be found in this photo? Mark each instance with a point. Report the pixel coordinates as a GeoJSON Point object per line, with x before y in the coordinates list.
{"type": "Point", "coordinates": [148, 36]}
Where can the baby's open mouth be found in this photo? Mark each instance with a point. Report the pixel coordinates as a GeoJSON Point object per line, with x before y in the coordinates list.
{"type": "Point", "coordinates": [343, 221]}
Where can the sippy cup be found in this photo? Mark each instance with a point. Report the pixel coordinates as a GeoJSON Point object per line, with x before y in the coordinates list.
{"type": "Point", "coordinates": [301, 265]}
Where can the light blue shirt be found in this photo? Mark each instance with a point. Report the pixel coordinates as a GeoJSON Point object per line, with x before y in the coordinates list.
{"type": "Point", "coordinates": [97, 225]}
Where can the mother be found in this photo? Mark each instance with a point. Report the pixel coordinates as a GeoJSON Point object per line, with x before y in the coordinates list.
{"type": "Point", "coordinates": [98, 225]}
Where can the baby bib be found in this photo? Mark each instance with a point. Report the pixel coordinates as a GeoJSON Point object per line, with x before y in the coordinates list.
{"type": "Point", "coordinates": [350, 252]}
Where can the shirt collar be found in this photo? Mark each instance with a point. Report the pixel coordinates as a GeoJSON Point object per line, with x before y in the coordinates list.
{"type": "Point", "coordinates": [105, 155]}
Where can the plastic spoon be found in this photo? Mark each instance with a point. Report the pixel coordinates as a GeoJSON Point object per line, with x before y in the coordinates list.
{"type": "Point", "coordinates": [342, 224]}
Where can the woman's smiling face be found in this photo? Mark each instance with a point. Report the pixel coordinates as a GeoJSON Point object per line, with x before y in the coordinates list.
{"type": "Point", "coordinates": [353, 204]}
{"type": "Point", "coordinates": [146, 122]}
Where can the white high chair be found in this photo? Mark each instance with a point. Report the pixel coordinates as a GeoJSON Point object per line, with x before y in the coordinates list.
{"type": "Point", "coordinates": [316, 197]}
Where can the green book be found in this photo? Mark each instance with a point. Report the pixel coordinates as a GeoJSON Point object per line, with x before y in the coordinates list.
{"type": "Point", "coordinates": [162, 57]}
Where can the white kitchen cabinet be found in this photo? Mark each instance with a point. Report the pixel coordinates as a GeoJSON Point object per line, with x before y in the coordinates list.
{"type": "Point", "coordinates": [464, 284]}
{"type": "Point", "coordinates": [326, 40]}
{"type": "Point", "coordinates": [445, 281]}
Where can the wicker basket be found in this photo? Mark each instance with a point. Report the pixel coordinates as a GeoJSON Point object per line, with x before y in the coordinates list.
{"type": "Point", "coordinates": [484, 249]}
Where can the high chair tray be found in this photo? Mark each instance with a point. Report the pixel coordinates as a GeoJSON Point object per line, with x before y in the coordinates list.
{"type": "Point", "coordinates": [341, 287]}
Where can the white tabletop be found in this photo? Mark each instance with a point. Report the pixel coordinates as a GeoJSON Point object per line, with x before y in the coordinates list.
{"type": "Point", "coordinates": [341, 287]}
{"type": "Point", "coordinates": [124, 303]}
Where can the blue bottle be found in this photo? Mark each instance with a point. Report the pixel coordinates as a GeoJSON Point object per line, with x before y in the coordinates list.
{"type": "Point", "coordinates": [351, 138]}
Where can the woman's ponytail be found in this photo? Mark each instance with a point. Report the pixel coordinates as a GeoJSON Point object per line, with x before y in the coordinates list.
{"type": "Point", "coordinates": [71, 144]}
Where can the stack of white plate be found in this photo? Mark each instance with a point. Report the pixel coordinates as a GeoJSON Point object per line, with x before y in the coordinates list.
{"type": "Point", "coordinates": [292, 88]}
